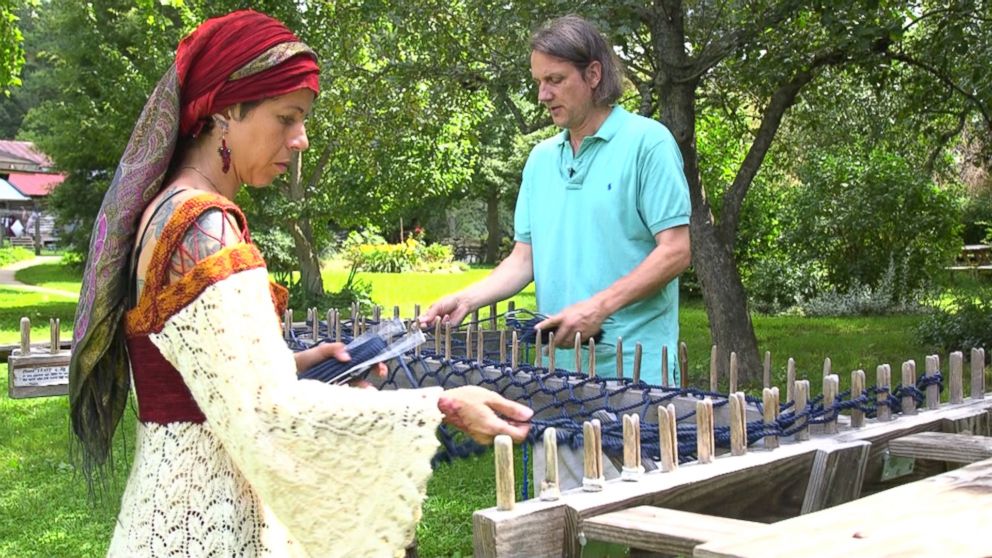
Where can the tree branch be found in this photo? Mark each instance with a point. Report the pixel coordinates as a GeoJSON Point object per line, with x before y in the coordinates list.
{"type": "Point", "coordinates": [947, 80]}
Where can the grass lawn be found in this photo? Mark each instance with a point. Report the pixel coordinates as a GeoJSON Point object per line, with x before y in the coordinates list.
{"type": "Point", "coordinates": [43, 505]}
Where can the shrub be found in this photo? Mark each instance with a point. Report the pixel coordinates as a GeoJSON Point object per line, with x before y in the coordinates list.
{"type": "Point", "coordinates": [354, 291]}
{"type": "Point", "coordinates": [14, 255]}
{"type": "Point", "coordinates": [775, 284]}
{"type": "Point", "coordinates": [276, 246]}
{"type": "Point", "coordinates": [371, 253]}
{"type": "Point", "coordinates": [888, 296]}
{"type": "Point", "coordinates": [964, 324]}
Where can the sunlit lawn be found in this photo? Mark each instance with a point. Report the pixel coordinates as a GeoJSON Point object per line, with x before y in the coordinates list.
{"type": "Point", "coordinates": [43, 509]}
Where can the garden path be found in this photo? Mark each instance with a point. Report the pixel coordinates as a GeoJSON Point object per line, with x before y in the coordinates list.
{"type": "Point", "coordinates": [8, 279]}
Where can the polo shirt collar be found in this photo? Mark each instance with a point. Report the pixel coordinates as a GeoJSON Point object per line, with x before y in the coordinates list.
{"type": "Point", "coordinates": [607, 129]}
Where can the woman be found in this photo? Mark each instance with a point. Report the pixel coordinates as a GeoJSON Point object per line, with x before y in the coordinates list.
{"type": "Point", "coordinates": [235, 455]}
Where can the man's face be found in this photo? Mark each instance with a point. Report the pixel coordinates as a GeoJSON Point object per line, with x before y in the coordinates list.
{"type": "Point", "coordinates": [561, 88]}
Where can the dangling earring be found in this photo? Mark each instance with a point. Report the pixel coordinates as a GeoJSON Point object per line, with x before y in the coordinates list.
{"type": "Point", "coordinates": [225, 153]}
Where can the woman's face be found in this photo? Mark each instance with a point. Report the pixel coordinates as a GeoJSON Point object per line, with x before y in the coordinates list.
{"type": "Point", "coordinates": [263, 141]}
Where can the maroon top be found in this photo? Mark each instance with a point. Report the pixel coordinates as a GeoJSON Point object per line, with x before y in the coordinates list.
{"type": "Point", "coordinates": [163, 397]}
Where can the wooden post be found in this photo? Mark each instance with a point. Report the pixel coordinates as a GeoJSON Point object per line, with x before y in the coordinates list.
{"type": "Point", "coordinates": [592, 357]}
{"type": "Point", "coordinates": [314, 324]}
{"type": "Point", "coordinates": [738, 424]}
{"type": "Point", "coordinates": [538, 348]}
{"type": "Point", "coordinates": [908, 379]}
{"type": "Point", "coordinates": [733, 372]}
{"type": "Point", "coordinates": [492, 316]}
{"type": "Point", "coordinates": [505, 486]}
{"type": "Point", "coordinates": [705, 447]}
{"type": "Point", "coordinates": [857, 391]}
{"type": "Point", "coordinates": [416, 312]}
{"type": "Point", "coordinates": [25, 336]}
{"type": "Point", "coordinates": [770, 404]}
{"type": "Point", "coordinates": [664, 366]}
{"type": "Point", "coordinates": [437, 337]}
{"type": "Point", "coordinates": [475, 320]}
{"type": "Point", "coordinates": [619, 358]}
{"type": "Point", "coordinates": [592, 446]}
{"type": "Point", "coordinates": [480, 348]}
{"type": "Point", "coordinates": [502, 347]}
{"type": "Point", "coordinates": [802, 399]}
{"type": "Point", "coordinates": [53, 346]}
{"type": "Point", "coordinates": [637, 363]}
{"type": "Point", "coordinates": [376, 313]}
{"type": "Point", "coordinates": [883, 379]}
{"type": "Point", "coordinates": [468, 343]}
{"type": "Point", "coordinates": [713, 369]}
{"type": "Point", "coordinates": [766, 376]}
{"type": "Point", "coordinates": [396, 312]}
{"type": "Point", "coordinates": [933, 390]}
{"type": "Point", "coordinates": [632, 468]}
{"type": "Point", "coordinates": [550, 490]}
{"type": "Point", "coordinates": [956, 365]}
{"type": "Point", "coordinates": [831, 387]}
{"type": "Point", "coordinates": [827, 370]}
{"type": "Point", "coordinates": [337, 326]}
{"type": "Point", "coordinates": [683, 365]}
{"type": "Point", "coordinates": [790, 380]}
{"type": "Point", "coordinates": [978, 373]}
{"type": "Point", "coordinates": [668, 438]}
{"type": "Point", "coordinates": [287, 324]}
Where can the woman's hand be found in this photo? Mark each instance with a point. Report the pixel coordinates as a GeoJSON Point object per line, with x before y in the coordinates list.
{"type": "Point", "coordinates": [313, 356]}
{"type": "Point", "coordinates": [483, 414]}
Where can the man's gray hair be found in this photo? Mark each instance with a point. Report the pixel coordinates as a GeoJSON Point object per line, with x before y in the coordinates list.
{"type": "Point", "coordinates": [574, 39]}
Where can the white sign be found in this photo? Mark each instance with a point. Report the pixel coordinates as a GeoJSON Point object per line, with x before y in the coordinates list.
{"type": "Point", "coordinates": [41, 376]}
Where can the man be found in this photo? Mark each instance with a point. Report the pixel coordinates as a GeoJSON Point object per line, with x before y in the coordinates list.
{"type": "Point", "coordinates": [601, 222]}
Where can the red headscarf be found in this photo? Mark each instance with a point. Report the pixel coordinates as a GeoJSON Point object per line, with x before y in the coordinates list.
{"type": "Point", "coordinates": [207, 61]}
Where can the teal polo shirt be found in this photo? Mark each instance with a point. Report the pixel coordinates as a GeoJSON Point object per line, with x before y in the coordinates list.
{"type": "Point", "coordinates": [591, 219]}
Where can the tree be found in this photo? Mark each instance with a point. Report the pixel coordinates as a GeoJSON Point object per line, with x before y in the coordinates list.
{"type": "Point", "coordinates": [11, 47]}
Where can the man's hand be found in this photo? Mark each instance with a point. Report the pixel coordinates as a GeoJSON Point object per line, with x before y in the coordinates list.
{"type": "Point", "coordinates": [451, 309]}
{"type": "Point", "coordinates": [484, 414]}
{"type": "Point", "coordinates": [585, 317]}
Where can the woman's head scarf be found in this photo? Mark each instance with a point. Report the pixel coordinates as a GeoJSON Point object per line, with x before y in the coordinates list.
{"type": "Point", "coordinates": [243, 56]}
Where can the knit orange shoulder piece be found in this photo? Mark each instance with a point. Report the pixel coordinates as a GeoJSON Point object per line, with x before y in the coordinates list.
{"type": "Point", "coordinates": [158, 301]}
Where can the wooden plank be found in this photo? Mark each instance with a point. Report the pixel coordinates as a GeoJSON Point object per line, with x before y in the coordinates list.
{"type": "Point", "coordinates": [39, 374]}
{"type": "Point", "coordinates": [881, 524]}
{"type": "Point", "coordinates": [533, 529]}
{"type": "Point", "coordinates": [837, 475]}
{"type": "Point", "coordinates": [939, 446]}
{"type": "Point", "coordinates": [663, 530]}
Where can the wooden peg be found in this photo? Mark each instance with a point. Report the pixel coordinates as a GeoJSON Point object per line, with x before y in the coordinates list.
{"type": "Point", "coordinates": [857, 391]}
{"type": "Point", "coordinates": [511, 306]}
{"type": "Point", "coordinates": [314, 324]}
{"type": "Point", "coordinates": [978, 373]}
{"type": "Point", "coordinates": [376, 313]}
{"type": "Point", "coordinates": [733, 372]}
{"type": "Point", "coordinates": [416, 312]}
{"type": "Point", "coordinates": [827, 367]}
{"type": "Point", "coordinates": [738, 426]}
{"type": "Point", "coordinates": [514, 350]}
{"type": "Point", "coordinates": [502, 347]}
{"type": "Point", "coordinates": [538, 348]}
{"type": "Point", "coordinates": [668, 438]}
{"type": "Point", "coordinates": [592, 446]}
{"type": "Point", "coordinates": [447, 341]}
{"type": "Point", "coordinates": [492, 316]}
{"type": "Point", "coordinates": [337, 326]}
{"type": "Point", "coordinates": [705, 447]}
{"type": "Point", "coordinates": [551, 352]}
{"type": "Point", "coordinates": [474, 324]}
{"type": "Point", "coordinates": [354, 313]}
{"type": "Point", "coordinates": [790, 380]}
{"type": "Point", "coordinates": [632, 468]}
{"type": "Point", "coordinates": [287, 324]}
{"type": "Point", "coordinates": [329, 317]}
{"type": "Point", "coordinates": [801, 390]}
{"type": "Point", "coordinates": [770, 406]}
{"type": "Point", "coordinates": [550, 490]}
{"type": "Point", "coordinates": [468, 343]}
{"type": "Point", "coordinates": [956, 364]}
{"type": "Point", "coordinates": [592, 357]}
{"type": "Point", "coordinates": [619, 358]}
{"type": "Point", "coordinates": [683, 365]}
{"type": "Point", "coordinates": [480, 348]}
{"type": "Point", "coordinates": [933, 390]}
{"type": "Point", "coordinates": [577, 347]}
{"type": "Point", "coordinates": [637, 363]}
{"type": "Point", "coordinates": [25, 336]}
{"type": "Point", "coordinates": [53, 325]}
{"type": "Point", "coordinates": [505, 486]}
{"type": "Point", "coordinates": [437, 337]}
{"type": "Point", "coordinates": [883, 379]}
{"type": "Point", "coordinates": [831, 387]}
{"type": "Point", "coordinates": [396, 312]}
{"type": "Point", "coordinates": [766, 370]}
{"type": "Point", "coordinates": [714, 377]}
{"type": "Point", "coordinates": [908, 380]}
{"type": "Point", "coordinates": [664, 366]}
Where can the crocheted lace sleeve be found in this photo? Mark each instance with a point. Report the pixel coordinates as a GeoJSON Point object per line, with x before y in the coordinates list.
{"type": "Point", "coordinates": [343, 469]}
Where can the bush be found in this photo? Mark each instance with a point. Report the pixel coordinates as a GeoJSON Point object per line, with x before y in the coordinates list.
{"type": "Point", "coordinates": [13, 255]}
{"type": "Point", "coordinates": [354, 291]}
{"type": "Point", "coordinates": [276, 246]}
{"type": "Point", "coordinates": [775, 284]}
{"type": "Point", "coordinates": [977, 219]}
{"type": "Point", "coordinates": [888, 296]}
{"type": "Point", "coordinates": [964, 324]}
{"type": "Point", "coordinates": [371, 253]}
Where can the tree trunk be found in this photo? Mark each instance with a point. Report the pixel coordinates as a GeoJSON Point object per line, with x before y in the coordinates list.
{"type": "Point", "coordinates": [302, 232]}
{"type": "Point", "coordinates": [494, 234]}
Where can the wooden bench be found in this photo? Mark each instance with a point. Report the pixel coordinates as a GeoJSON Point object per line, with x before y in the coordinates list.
{"type": "Point", "coordinates": [940, 446]}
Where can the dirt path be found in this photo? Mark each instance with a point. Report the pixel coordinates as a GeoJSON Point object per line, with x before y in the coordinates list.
{"type": "Point", "coordinates": [7, 278]}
